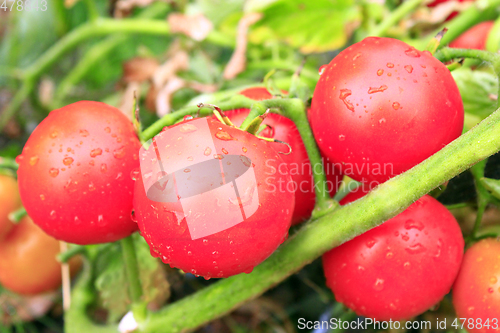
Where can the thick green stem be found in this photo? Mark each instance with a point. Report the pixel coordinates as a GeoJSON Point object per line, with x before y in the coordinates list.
{"type": "Point", "coordinates": [132, 269]}
{"type": "Point", "coordinates": [406, 8]}
{"type": "Point", "coordinates": [483, 196]}
{"type": "Point", "coordinates": [448, 54]}
{"type": "Point", "coordinates": [331, 230]}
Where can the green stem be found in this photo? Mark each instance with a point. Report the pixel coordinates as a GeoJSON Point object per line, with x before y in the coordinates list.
{"type": "Point", "coordinates": [447, 54]}
{"type": "Point", "coordinates": [92, 12]}
{"type": "Point", "coordinates": [493, 40]}
{"type": "Point", "coordinates": [483, 196]}
{"type": "Point", "coordinates": [132, 269]}
{"type": "Point", "coordinates": [72, 251]}
{"type": "Point", "coordinates": [99, 51]}
{"type": "Point", "coordinates": [17, 216]}
{"type": "Point", "coordinates": [403, 10]}
{"type": "Point", "coordinates": [83, 295]}
{"type": "Point", "coordinates": [331, 230]}
{"type": "Point", "coordinates": [61, 17]}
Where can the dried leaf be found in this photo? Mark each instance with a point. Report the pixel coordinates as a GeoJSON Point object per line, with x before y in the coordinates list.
{"type": "Point", "coordinates": [237, 63]}
{"type": "Point", "coordinates": [46, 91]}
{"type": "Point", "coordinates": [195, 26]}
{"type": "Point", "coordinates": [139, 69]}
{"type": "Point", "coordinates": [177, 62]}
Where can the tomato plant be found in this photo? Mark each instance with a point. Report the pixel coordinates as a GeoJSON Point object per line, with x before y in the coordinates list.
{"type": "Point", "coordinates": [476, 292]}
{"type": "Point", "coordinates": [283, 129]}
{"type": "Point", "coordinates": [401, 268]}
{"type": "Point", "coordinates": [28, 262]}
{"type": "Point", "coordinates": [74, 173]}
{"type": "Point", "coordinates": [201, 229]}
{"type": "Point", "coordinates": [475, 37]}
{"type": "Point", "coordinates": [9, 197]}
{"type": "Point", "coordinates": [379, 108]}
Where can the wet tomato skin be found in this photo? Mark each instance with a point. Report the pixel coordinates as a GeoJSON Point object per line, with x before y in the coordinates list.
{"type": "Point", "coordinates": [74, 173]}
{"type": "Point", "coordinates": [28, 262]}
{"type": "Point", "coordinates": [400, 268]}
{"type": "Point", "coordinates": [476, 292]}
{"type": "Point", "coordinates": [475, 37]}
{"type": "Point", "coordinates": [283, 129]}
{"type": "Point", "coordinates": [379, 109]}
{"type": "Point", "coordinates": [238, 248]}
{"type": "Point", "coordinates": [9, 202]}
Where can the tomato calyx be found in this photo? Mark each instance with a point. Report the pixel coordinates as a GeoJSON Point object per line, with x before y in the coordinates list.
{"type": "Point", "coordinates": [253, 128]}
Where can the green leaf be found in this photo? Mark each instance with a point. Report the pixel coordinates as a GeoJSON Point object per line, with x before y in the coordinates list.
{"type": "Point", "coordinates": [492, 185]}
{"type": "Point", "coordinates": [477, 88]}
{"type": "Point", "coordinates": [311, 26]}
{"type": "Point", "coordinates": [112, 284]}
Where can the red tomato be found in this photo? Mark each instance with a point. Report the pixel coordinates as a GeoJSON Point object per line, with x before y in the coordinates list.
{"type": "Point", "coordinates": [28, 262]}
{"type": "Point", "coordinates": [475, 37]}
{"type": "Point", "coordinates": [217, 208]}
{"type": "Point", "coordinates": [9, 202]}
{"type": "Point", "coordinates": [476, 292]}
{"type": "Point", "coordinates": [74, 173]}
{"type": "Point", "coordinates": [283, 129]}
{"type": "Point", "coordinates": [400, 268]}
{"type": "Point", "coordinates": [381, 107]}
{"type": "Point", "coordinates": [438, 2]}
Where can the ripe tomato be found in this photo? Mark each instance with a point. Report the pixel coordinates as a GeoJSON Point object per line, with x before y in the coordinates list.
{"type": "Point", "coordinates": [475, 37]}
{"type": "Point", "coordinates": [28, 262]}
{"type": "Point", "coordinates": [476, 292]}
{"type": "Point", "coordinates": [283, 129]}
{"type": "Point", "coordinates": [400, 268]}
{"type": "Point", "coordinates": [380, 107]}
{"type": "Point", "coordinates": [219, 207]}
{"type": "Point", "coordinates": [74, 173]}
{"type": "Point", "coordinates": [438, 2]}
{"type": "Point", "coordinates": [9, 202]}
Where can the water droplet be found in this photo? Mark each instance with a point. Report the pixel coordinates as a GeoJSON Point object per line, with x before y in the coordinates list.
{"type": "Point", "coordinates": [322, 70]}
{"type": "Point", "coordinates": [405, 237]}
{"type": "Point", "coordinates": [412, 52]}
{"type": "Point", "coordinates": [360, 268]}
{"type": "Point", "coordinates": [107, 130]}
{"type": "Point", "coordinates": [370, 243]}
{"type": "Point", "coordinates": [380, 72]}
{"type": "Point", "coordinates": [379, 285]}
{"type": "Point", "coordinates": [205, 241]}
{"type": "Point", "coordinates": [244, 149]}
{"type": "Point", "coordinates": [100, 220]}
{"type": "Point", "coordinates": [415, 248]}
{"type": "Point", "coordinates": [381, 120]}
{"type": "Point", "coordinates": [53, 172]}
{"type": "Point", "coordinates": [470, 308]}
{"type": "Point", "coordinates": [19, 159]}
{"type": "Point", "coordinates": [34, 160]}
{"type": "Point", "coordinates": [439, 246]}
{"type": "Point", "coordinates": [392, 307]}
{"type": "Point", "coordinates": [42, 197]}
{"type": "Point", "coordinates": [68, 160]}
{"type": "Point", "coordinates": [53, 135]}
{"type": "Point", "coordinates": [84, 133]}
{"type": "Point", "coordinates": [223, 135]}
{"type": "Point", "coordinates": [207, 151]}
{"type": "Point", "coordinates": [225, 151]}
{"type": "Point", "coordinates": [91, 187]}
{"type": "Point", "coordinates": [341, 137]}
{"type": "Point", "coordinates": [356, 56]}
{"type": "Point", "coordinates": [373, 90]}
{"type": "Point", "coordinates": [188, 128]}
{"type": "Point", "coordinates": [248, 270]}
{"type": "Point", "coordinates": [411, 224]}
{"type": "Point", "coordinates": [344, 93]}
{"type": "Point", "coordinates": [77, 220]}
{"type": "Point", "coordinates": [493, 280]}
{"type": "Point", "coordinates": [52, 215]}
{"type": "Point", "coordinates": [190, 158]}
{"type": "Point", "coordinates": [119, 153]}
{"type": "Point", "coordinates": [218, 156]}
{"type": "Point", "coordinates": [409, 68]}
{"type": "Point", "coordinates": [390, 65]}
{"type": "Point", "coordinates": [134, 174]}
{"type": "Point", "coordinates": [187, 170]}
{"type": "Point", "coordinates": [246, 161]}
{"type": "Point", "coordinates": [407, 265]}
{"type": "Point", "coordinates": [95, 152]}
{"type": "Point", "coordinates": [396, 106]}
{"type": "Point", "coordinates": [189, 253]}
{"type": "Point", "coordinates": [104, 167]}
{"type": "Point", "coordinates": [389, 255]}
{"type": "Point", "coordinates": [490, 290]}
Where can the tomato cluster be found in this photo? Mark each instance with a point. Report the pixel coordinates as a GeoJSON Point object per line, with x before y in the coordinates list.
{"type": "Point", "coordinates": [215, 200]}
